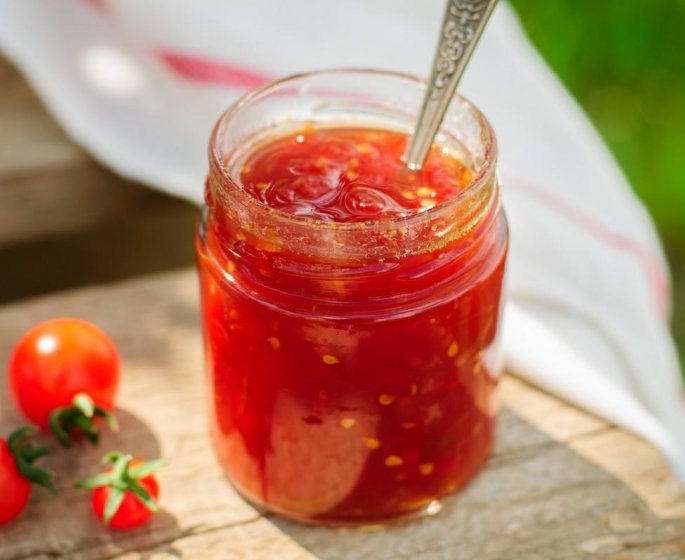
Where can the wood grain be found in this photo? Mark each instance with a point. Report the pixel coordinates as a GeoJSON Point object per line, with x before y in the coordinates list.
{"type": "Point", "coordinates": [65, 220]}
{"type": "Point", "coordinates": [625, 455]}
{"type": "Point", "coordinates": [48, 186]}
{"type": "Point", "coordinates": [539, 497]}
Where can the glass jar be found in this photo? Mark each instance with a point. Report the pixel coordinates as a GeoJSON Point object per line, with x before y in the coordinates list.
{"type": "Point", "coordinates": [352, 367]}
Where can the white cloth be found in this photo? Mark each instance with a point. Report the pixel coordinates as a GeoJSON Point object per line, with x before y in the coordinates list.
{"type": "Point", "coordinates": [139, 83]}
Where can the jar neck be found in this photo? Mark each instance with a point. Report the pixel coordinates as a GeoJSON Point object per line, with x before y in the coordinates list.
{"type": "Point", "coordinates": [299, 238]}
{"type": "Point", "coordinates": [383, 262]}
{"type": "Point", "coordinates": [297, 266]}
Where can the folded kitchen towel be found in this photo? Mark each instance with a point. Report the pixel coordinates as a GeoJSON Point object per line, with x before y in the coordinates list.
{"type": "Point", "coordinates": [139, 83]}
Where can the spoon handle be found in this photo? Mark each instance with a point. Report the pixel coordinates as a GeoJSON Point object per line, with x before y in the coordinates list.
{"type": "Point", "coordinates": [461, 29]}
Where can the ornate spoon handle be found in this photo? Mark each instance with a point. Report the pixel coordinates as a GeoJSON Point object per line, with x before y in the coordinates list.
{"type": "Point", "coordinates": [461, 29]}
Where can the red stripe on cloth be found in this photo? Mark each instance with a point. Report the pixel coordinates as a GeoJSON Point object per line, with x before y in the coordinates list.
{"type": "Point", "coordinates": [99, 5]}
{"type": "Point", "coordinates": [212, 72]}
{"type": "Point", "coordinates": [648, 261]}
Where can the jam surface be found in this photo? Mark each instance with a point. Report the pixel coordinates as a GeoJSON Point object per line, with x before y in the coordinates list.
{"type": "Point", "coordinates": [349, 175]}
{"type": "Point", "coordinates": [349, 411]}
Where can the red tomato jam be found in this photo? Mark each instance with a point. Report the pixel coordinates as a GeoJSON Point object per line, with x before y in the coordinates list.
{"type": "Point", "coordinates": [349, 175]}
{"type": "Point", "coordinates": [352, 377]}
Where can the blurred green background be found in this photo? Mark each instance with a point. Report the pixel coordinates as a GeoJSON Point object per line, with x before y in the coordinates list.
{"type": "Point", "coordinates": [624, 61]}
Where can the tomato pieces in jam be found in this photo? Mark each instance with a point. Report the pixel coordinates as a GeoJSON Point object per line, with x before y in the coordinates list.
{"type": "Point", "coordinates": [361, 390]}
{"type": "Point", "coordinates": [349, 175]}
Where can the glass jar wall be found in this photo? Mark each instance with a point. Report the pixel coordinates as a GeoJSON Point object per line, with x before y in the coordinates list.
{"type": "Point", "coordinates": [352, 366]}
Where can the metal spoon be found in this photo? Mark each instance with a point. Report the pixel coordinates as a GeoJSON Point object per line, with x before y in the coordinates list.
{"type": "Point", "coordinates": [461, 29]}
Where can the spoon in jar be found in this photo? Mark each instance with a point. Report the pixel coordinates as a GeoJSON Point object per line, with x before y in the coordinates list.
{"type": "Point", "coordinates": [462, 27]}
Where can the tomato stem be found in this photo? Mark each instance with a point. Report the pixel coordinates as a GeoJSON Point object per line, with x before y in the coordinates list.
{"type": "Point", "coordinates": [25, 454]}
{"type": "Point", "coordinates": [79, 416]}
{"type": "Point", "coordinates": [123, 478]}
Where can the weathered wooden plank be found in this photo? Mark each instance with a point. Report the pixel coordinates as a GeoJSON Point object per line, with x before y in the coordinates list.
{"type": "Point", "coordinates": [30, 140]}
{"type": "Point", "coordinates": [65, 220]}
{"type": "Point", "coordinates": [49, 186]}
{"type": "Point", "coordinates": [162, 400]}
{"type": "Point", "coordinates": [144, 242]}
{"type": "Point", "coordinates": [624, 455]}
{"type": "Point", "coordinates": [538, 498]}
{"type": "Point", "coordinates": [562, 422]}
{"type": "Point", "coordinates": [634, 462]}
{"type": "Point", "coordinates": [65, 199]}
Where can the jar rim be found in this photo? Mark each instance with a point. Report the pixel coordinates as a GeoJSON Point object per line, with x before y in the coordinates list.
{"type": "Point", "coordinates": [480, 179]}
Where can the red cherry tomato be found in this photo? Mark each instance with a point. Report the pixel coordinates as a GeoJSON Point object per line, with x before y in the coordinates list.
{"type": "Point", "coordinates": [132, 512]}
{"type": "Point", "coordinates": [14, 488]}
{"type": "Point", "coordinates": [58, 359]}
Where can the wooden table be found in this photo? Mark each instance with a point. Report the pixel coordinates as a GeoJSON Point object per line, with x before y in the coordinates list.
{"type": "Point", "coordinates": [560, 485]}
